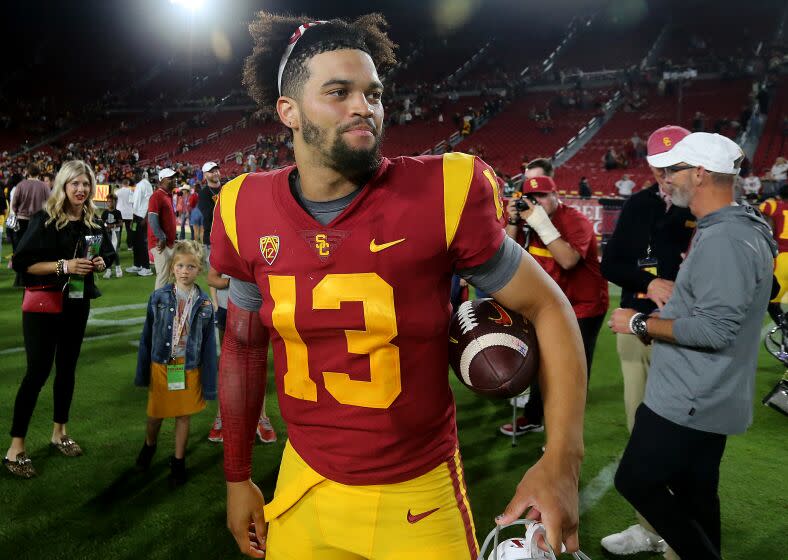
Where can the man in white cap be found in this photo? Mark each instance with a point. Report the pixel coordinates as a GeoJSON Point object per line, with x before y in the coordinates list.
{"type": "Point", "coordinates": [706, 339]}
{"type": "Point", "coordinates": [162, 225]}
{"type": "Point", "coordinates": [208, 196]}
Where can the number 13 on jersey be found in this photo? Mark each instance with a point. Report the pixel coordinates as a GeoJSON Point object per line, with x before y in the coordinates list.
{"type": "Point", "coordinates": [377, 298]}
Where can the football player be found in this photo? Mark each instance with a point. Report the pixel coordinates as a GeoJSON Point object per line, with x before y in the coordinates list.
{"type": "Point", "coordinates": [345, 261]}
{"type": "Point", "coordinates": [774, 209]}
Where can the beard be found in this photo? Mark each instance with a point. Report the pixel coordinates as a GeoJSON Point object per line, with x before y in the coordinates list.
{"type": "Point", "coordinates": [680, 197]}
{"type": "Point", "coordinates": [355, 163]}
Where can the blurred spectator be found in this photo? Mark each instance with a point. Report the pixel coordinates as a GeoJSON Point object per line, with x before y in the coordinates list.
{"type": "Point", "coordinates": [583, 188]}
{"type": "Point", "coordinates": [751, 185]}
{"type": "Point", "coordinates": [124, 194]}
{"type": "Point", "coordinates": [29, 198]}
{"type": "Point", "coordinates": [612, 160]}
{"type": "Point", "coordinates": [779, 171]}
{"type": "Point", "coordinates": [625, 186]}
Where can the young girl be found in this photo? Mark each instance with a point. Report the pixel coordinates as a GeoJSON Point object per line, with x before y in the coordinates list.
{"type": "Point", "coordinates": [177, 355]}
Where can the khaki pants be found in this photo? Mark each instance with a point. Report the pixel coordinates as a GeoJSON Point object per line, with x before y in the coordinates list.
{"type": "Point", "coordinates": [635, 359]}
{"type": "Point", "coordinates": [161, 260]}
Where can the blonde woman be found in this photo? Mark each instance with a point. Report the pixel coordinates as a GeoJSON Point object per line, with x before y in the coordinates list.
{"type": "Point", "coordinates": [52, 255]}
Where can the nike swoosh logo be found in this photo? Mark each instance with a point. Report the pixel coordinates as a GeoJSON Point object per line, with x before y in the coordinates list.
{"type": "Point", "coordinates": [416, 518]}
{"type": "Point", "coordinates": [375, 248]}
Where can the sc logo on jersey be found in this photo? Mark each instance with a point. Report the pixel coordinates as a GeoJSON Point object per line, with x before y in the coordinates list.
{"type": "Point", "coordinates": [322, 245]}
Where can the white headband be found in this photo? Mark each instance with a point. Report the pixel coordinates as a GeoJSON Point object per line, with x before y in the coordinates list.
{"type": "Point", "coordinates": [290, 46]}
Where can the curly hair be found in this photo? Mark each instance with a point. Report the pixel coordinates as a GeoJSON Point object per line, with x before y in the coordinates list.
{"type": "Point", "coordinates": [188, 248]}
{"type": "Point", "coordinates": [270, 35]}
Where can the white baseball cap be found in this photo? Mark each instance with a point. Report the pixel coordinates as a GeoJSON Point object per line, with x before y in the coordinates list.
{"type": "Point", "coordinates": [713, 152]}
{"type": "Point", "coordinates": [208, 165]}
{"type": "Point", "coordinates": [166, 172]}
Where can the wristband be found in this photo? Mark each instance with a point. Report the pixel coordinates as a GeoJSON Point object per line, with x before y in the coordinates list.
{"type": "Point", "coordinates": [65, 267]}
{"type": "Point", "coordinates": [541, 224]}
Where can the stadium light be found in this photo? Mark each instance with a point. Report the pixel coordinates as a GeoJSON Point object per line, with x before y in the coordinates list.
{"type": "Point", "coordinates": [192, 5]}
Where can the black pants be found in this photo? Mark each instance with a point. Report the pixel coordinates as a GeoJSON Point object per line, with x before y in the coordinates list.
{"type": "Point", "coordinates": [670, 474]}
{"type": "Point", "coordinates": [17, 237]}
{"type": "Point", "coordinates": [141, 258]}
{"type": "Point", "coordinates": [50, 338]}
{"type": "Point", "coordinates": [589, 330]}
{"type": "Point", "coordinates": [129, 234]}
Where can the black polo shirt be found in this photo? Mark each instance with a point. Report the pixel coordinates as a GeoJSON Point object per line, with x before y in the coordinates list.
{"type": "Point", "coordinates": [646, 229]}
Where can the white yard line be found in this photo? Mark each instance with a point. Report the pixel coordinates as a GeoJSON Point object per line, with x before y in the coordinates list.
{"type": "Point", "coordinates": [86, 339]}
{"type": "Point", "coordinates": [598, 487]}
{"type": "Point", "coordinates": [98, 311]}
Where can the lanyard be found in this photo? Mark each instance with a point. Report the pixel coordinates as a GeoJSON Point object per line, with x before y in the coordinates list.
{"type": "Point", "coordinates": [181, 318]}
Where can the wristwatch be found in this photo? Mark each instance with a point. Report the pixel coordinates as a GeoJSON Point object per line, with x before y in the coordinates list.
{"type": "Point", "coordinates": [637, 325]}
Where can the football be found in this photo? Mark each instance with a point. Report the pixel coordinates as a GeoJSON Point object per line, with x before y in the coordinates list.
{"type": "Point", "coordinates": [493, 350]}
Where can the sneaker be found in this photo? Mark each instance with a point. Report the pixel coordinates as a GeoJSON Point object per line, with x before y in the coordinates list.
{"type": "Point", "coordinates": [108, 274]}
{"type": "Point", "coordinates": [118, 271]}
{"type": "Point", "coordinates": [523, 427]}
{"type": "Point", "coordinates": [146, 456]}
{"type": "Point", "coordinates": [521, 400]}
{"type": "Point", "coordinates": [215, 435]}
{"type": "Point", "coordinates": [633, 540]}
{"type": "Point", "coordinates": [177, 471]}
{"type": "Point", "coordinates": [265, 431]}
{"type": "Point", "coordinates": [145, 272]}
{"type": "Point", "coordinates": [133, 269]}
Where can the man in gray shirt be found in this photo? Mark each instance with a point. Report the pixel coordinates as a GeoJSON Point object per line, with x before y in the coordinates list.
{"type": "Point", "coordinates": [706, 339]}
{"type": "Point", "coordinates": [29, 198]}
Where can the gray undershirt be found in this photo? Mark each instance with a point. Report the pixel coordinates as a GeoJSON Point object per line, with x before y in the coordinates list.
{"type": "Point", "coordinates": [153, 222]}
{"type": "Point", "coordinates": [490, 276]}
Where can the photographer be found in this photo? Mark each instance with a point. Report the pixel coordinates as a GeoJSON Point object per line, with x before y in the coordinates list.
{"type": "Point", "coordinates": [562, 241]}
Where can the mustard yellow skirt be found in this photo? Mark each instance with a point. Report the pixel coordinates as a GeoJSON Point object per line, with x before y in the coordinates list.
{"type": "Point", "coordinates": [163, 403]}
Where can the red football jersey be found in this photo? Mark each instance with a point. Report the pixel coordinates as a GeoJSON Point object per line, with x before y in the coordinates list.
{"type": "Point", "coordinates": [358, 310]}
{"type": "Point", "coordinates": [777, 209]}
{"type": "Point", "coordinates": [584, 286]}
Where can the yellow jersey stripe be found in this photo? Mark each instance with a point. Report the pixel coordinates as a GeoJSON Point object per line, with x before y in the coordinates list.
{"type": "Point", "coordinates": [540, 252]}
{"type": "Point", "coordinates": [494, 184]}
{"type": "Point", "coordinates": [457, 176]}
{"type": "Point", "coordinates": [464, 490]}
{"type": "Point", "coordinates": [768, 207]}
{"type": "Point", "coordinates": [228, 197]}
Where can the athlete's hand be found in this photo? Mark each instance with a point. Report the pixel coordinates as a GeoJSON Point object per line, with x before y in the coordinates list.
{"type": "Point", "coordinates": [245, 517]}
{"type": "Point", "coordinates": [549, 488]}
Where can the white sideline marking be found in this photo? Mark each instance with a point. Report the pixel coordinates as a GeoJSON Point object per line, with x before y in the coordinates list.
{"type": "Point", "coordinates": [86, 339]}
{"type": "Point", "coordinates": [94, 312]}
{"type": "Point", "coordinates": [598, 487]}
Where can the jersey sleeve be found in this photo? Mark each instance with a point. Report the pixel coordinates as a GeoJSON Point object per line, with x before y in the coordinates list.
{"type": "Point", "coordinates": [578, 232]}
{"type": "Point", "coordinates": [473, 210]}
{"type": "Point", "coordinates": [768, 207]}
{"type": "Point", "coordinates": [225, 254]}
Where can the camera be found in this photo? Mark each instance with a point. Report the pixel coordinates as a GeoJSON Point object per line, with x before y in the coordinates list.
{"type": "Point", "coordinates": [521, 205]}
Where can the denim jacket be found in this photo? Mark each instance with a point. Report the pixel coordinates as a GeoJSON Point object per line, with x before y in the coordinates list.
{"type": "Point", "coordinates": [156, 340]}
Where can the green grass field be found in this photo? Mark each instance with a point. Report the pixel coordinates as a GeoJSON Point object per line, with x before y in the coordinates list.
{"type": "Point", "coordinates": [96, 506]}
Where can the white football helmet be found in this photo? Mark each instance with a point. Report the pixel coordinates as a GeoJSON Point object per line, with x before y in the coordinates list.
{"type": "Point", "coordinates": [521, 548]}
